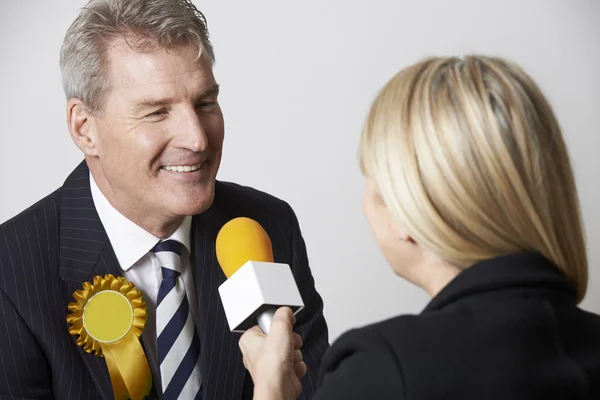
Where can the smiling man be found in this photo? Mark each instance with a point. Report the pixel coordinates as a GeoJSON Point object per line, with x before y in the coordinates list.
{"type": "Point", "coordinates": [142, 106]}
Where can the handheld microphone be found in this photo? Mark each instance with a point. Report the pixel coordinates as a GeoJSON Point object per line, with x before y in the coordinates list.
{"type": "Point", "coordinates": [256, 286]}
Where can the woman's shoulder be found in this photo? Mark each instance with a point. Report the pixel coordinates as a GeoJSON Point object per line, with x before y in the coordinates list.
{"type": "Point", "coordinates": [377, 336]}
{"type": "Point", "coordinates": [373, 360]}
{"type": "Point", "coordinates": [363, 362]}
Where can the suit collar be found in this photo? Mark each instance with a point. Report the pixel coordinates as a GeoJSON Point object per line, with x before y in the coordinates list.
{"type": "Point", "coordinates": [85, 250]}
{"type": "Point", "coordinates": [129, 240]}
{"type": "Point", "coordinates": [505, 272]}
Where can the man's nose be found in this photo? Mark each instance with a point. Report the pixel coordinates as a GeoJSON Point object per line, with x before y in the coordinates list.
{"type": "Point", "coordinates": [192, 133]}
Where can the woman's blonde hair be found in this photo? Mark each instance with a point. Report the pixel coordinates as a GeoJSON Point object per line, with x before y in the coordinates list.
{"type": "Point", "coordinates": [469, 158]}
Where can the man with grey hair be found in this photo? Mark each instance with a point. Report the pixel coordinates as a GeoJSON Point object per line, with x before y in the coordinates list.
{"type": "Point", "coordinates": [145, 205]}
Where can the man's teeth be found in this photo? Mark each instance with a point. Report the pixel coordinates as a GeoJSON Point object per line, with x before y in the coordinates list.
{"type": "Point", "coordinates": [182, 168]}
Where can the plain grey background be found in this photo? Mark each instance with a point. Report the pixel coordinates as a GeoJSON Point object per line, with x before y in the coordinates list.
{"type": "Point", "coordinates": [297, 79]}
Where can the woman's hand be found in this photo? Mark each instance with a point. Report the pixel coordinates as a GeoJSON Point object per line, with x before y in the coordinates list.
{"type": "Point", "coordinates": [274, 360]}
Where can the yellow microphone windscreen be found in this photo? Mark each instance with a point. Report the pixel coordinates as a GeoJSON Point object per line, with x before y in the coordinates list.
{"type": "Point", "coordinates": [239, 241]}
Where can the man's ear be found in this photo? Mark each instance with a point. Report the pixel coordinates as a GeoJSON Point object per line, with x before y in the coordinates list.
{"type": "Point", "coordinates": [79, 121]}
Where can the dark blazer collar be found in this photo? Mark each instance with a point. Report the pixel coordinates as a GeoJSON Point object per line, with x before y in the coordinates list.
{"type": "Point", "coordinates": [85, 250]}
{"type": "Point", "coordinates": [504, 272]}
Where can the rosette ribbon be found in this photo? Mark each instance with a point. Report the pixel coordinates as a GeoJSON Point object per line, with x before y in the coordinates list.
{"type": "Point", "coordinates": [108, 318]}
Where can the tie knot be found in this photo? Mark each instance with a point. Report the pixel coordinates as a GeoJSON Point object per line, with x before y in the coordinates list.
{"type": "Point", "coordinates": [168, 253]}
{"type": "Point", "coordinates": [170, 245]}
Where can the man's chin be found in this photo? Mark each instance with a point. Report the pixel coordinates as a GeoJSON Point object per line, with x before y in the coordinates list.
{"type": "Point", "coordinates": [194, 206]}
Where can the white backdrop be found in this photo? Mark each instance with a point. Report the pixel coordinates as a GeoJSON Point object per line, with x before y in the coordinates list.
{"type": "Point", "coordinates": [297, 79]}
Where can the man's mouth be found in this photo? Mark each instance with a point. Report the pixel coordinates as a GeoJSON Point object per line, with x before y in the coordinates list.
{"type": "Point", "coordinates": [182, 168]}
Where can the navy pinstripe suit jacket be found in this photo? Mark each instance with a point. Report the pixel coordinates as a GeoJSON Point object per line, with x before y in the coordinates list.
{"type": "Point", "coordinates": [50, 249]}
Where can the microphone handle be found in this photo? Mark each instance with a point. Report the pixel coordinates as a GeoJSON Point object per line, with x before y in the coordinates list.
{"type": "Point", "coordinates": [265, 318]}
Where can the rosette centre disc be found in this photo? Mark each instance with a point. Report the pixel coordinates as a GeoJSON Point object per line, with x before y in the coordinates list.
{"type": "Point", "coordinates": [107, 316]}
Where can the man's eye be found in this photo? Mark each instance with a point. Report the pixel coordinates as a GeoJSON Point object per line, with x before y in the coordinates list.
{"type": "Point", "coordinates": [157, 113]}
{"type": "Point", "coordinates": [206, 104]}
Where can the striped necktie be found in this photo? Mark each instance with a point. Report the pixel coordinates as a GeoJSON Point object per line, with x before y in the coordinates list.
{"type": "Point", "coordinates": [178, 342]}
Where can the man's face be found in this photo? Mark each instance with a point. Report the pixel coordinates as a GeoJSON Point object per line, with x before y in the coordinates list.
{"type": "Point", "coordinates": [160, 133]}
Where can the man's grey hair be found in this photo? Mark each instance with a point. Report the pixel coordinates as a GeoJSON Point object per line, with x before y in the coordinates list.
{"type": "Point", "coordinates": [145, 24]}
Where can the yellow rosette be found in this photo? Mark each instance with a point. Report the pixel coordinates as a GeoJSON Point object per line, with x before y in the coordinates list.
{"type": "Point", "coordinates": [109, 317]}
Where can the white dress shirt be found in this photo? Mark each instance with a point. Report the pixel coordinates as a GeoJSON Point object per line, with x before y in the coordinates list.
{"type": "Point", "coordinates": [133, 247]}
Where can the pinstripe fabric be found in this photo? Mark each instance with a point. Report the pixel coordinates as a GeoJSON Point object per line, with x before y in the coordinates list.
{"type": "Point", "coordinates": [50, 249]}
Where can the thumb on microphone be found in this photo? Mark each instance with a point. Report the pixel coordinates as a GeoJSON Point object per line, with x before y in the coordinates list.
{"type": "Point", "coordinates": [283, 323]}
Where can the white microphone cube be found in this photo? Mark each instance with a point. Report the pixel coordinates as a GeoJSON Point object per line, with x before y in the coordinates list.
{"type": "Point", "coordinates": [255, 288]}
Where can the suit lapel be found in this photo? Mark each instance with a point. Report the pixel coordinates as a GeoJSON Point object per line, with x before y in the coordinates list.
{"type": "Point", "coordinates": [223, 372]}
{"type": "Point", "coordinates": [85, 252]}
{"type": "Point", "coordinates": [96, 366]}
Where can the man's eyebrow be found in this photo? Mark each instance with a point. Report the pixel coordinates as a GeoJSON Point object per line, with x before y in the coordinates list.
{"type": "Point", "coordinates": [210, 92]}
{"type": "Point", "coordinates": [156, 103]}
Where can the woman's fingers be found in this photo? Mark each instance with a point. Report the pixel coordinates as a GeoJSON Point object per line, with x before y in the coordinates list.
{"type": "Point", "coordinates": [297, 388]}
{"type": "Point", "coordinates": [297, 356]}
{"type": "Point", "coordinates": [275, 357]}
{"type": "Point", "coordinates": [297, 341]}
{"type": "Point", "coordinates": [300, 369]}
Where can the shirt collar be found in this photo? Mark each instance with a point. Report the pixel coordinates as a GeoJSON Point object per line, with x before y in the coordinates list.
{"type": "Point", "coordinates": [129, 240]}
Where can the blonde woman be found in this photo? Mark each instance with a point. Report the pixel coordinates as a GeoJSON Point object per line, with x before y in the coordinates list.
{"type": "Point", "coordinates": [470, 196]}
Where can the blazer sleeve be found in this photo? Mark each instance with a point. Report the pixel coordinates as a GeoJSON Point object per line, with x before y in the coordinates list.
{"type": "Point", "coordinates": [24, 371]}
{"type": "Point", "coordinates": [361, 365]}
{"type": "Point", "coordinates": [310, 322]}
